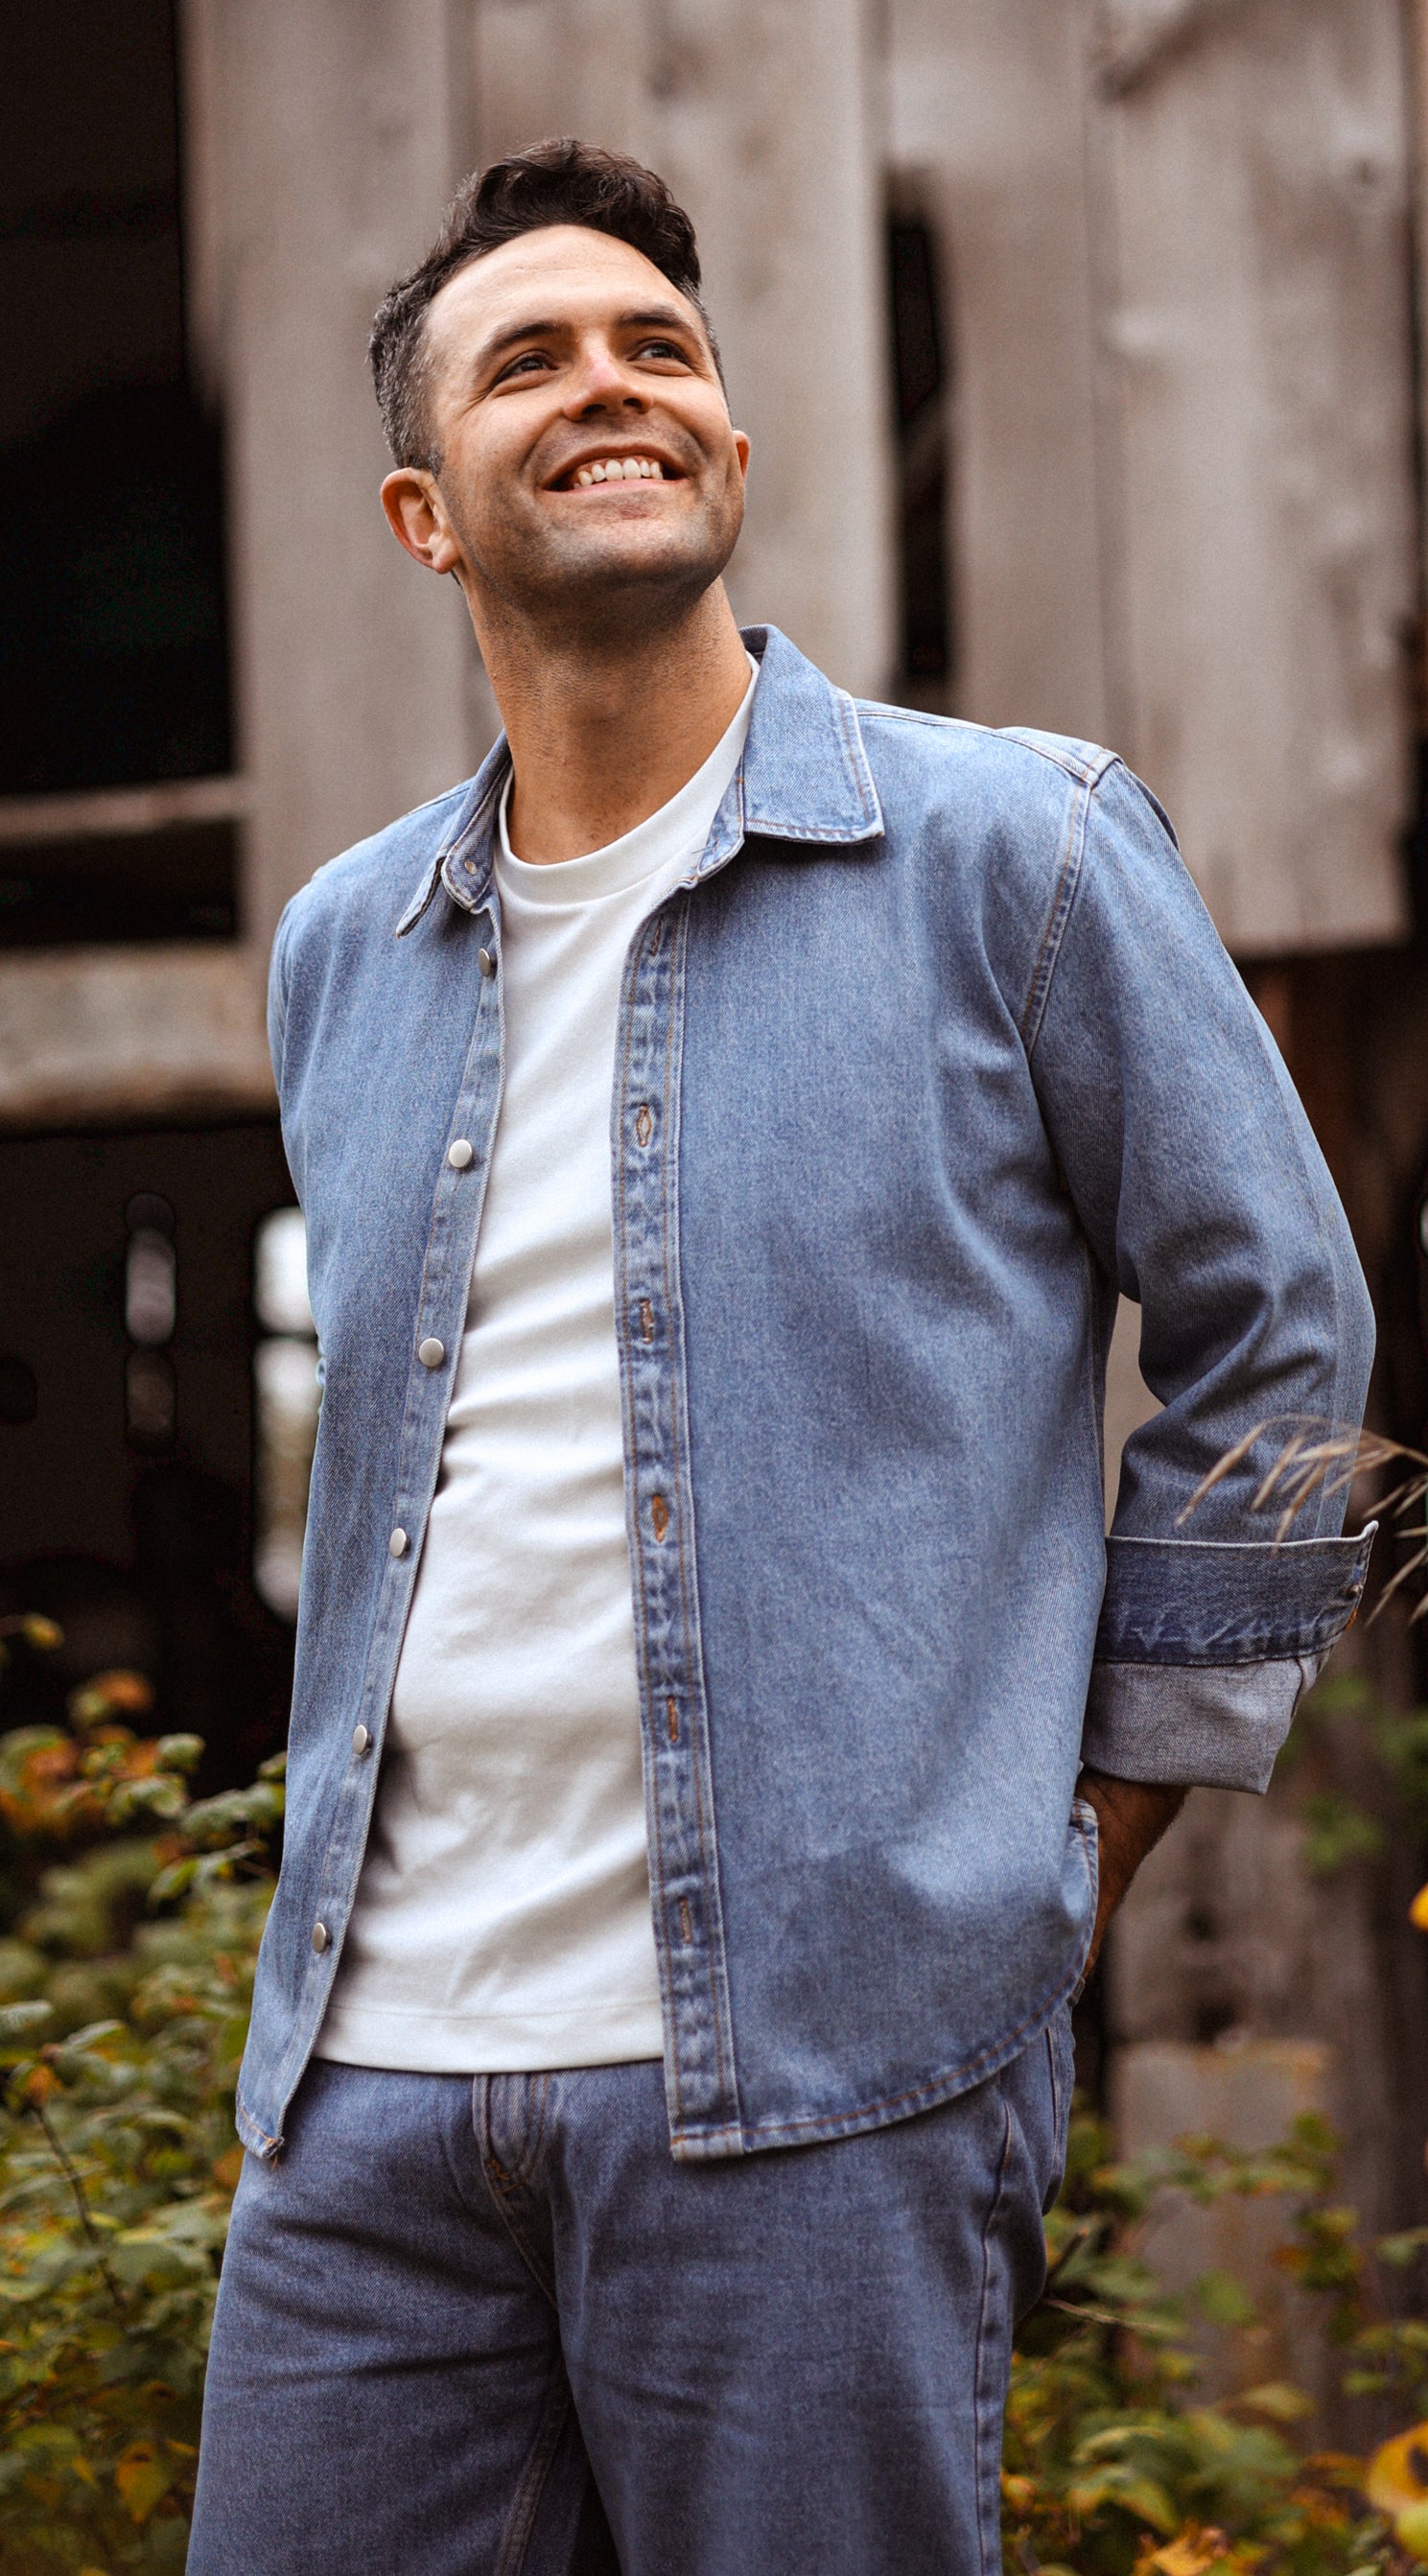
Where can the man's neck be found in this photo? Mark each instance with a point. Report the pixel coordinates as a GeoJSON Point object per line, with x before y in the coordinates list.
{"type": "Point", "coordinates": [600, 739]}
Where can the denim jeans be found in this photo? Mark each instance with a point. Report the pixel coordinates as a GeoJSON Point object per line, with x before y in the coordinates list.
{"type": "Point", "coordinates": [469, 2329]}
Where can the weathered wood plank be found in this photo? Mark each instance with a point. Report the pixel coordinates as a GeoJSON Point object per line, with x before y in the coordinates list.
{"type": "Point", "coordinates": [986, 106]}
{"type": "Point", "coordinates": [1256, 311]}
{"type": "Point", "coordinates": [327, 139]}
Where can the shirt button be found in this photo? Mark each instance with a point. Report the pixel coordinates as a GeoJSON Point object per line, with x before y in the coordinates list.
{"type": "Point", "coordinates": [486, 962]}
{"type": "Point", "coordinates": [460, 1154]}
{"type": "Point", "coordinates": [361, 1741]}
{"type": "Point", "coordinates": [398, 1542]}
{"type": "Point", "coordinates": [431, 1352]}
{"type": "Point", "coordinates": [320, 1937]}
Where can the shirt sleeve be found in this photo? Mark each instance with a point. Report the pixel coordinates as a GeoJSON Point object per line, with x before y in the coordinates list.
{"type": "Point", "coordinates": [1203, 1196]}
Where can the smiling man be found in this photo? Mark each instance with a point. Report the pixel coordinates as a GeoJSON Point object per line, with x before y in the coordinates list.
{"type": "Point", "coordinates": [724, 1128]}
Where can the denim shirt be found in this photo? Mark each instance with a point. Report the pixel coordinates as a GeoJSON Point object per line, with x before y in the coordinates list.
{"type": "Point", "coordinates": [933, 1053]}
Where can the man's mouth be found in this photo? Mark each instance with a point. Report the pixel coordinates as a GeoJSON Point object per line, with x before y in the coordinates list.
{"type": "Point", "coordinates": [616, 469]}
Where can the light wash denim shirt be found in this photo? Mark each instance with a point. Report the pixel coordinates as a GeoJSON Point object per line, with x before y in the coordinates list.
{"type": "Point", "coordinates": [933, 1053]}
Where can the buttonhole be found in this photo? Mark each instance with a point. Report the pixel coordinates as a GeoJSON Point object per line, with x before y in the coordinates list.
{"type": "Point", "coordinates": [659, 1518]}
{"type": "Point", "coordinates": [671, 1710]}
{"type": "Point", "coordinates": [647, 1319]}
{"type": "Point", "coordinates": [686, 1923]}
{"type": "Point", "coordinates": [644, 1124]}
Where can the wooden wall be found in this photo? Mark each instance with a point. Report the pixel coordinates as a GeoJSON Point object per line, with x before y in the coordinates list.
{"type": "Point", "coordinates": [1176, 244]}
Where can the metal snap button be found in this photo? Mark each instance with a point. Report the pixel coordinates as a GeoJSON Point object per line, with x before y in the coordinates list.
{"type": "Point", "coordinates": [398, 1543]}
{"type": "Point", "coordinates": [320, 1937]}
{"type": "Point", "coordinates": [361, 1741]}
{"type": "Point", "coordinates": [431, 1352]}
{"type": "Point", "coordinates": [486, 962]}
{"type": "Point", "coordinates": [461, 1153]}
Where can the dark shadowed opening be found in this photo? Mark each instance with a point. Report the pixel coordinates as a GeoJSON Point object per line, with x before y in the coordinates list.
{"type": "Point", "coordinates": [920, 378]}
{"type": "Point", "coordinates": [113, 647]}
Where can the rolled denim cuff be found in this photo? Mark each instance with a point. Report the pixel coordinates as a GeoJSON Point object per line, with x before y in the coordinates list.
{"type": "Point", "coordinates": [1223, 1601]}
{"type": "Point", "coordinates": [1182, 1726]}
{"type": "Point", "coordinates": [1204, 1649]}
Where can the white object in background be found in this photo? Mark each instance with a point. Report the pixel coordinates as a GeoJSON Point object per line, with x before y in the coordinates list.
{"type": "Point", "coordinates": [287, 1399]}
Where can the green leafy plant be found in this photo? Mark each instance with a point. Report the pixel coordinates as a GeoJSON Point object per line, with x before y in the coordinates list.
{"type": "Point", "coordinates": [130, 1915]}
{"type": "Point", "coordinates": [1111, 2467]}
{"type": "Point", "coordinates": [126, 1976]}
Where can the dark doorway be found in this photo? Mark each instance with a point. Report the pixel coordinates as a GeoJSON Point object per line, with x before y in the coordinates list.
{"type": "Point", "coordinates": [126, 1443]}
{"type": "Point", "coordinates": [113, 652]}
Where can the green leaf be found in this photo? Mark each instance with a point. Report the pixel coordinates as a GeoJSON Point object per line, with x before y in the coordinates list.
{"type": "Point", "coordinates": [180, 1752]}
{"type": "Point", "coordinates": [1275, 2399]}
{"type": "Point", "coordinates": [20, 2021]}
{"type": "Point", "coordinates": [173, 1881]}
{"type": "Point", "coordinates": [1220, 2298]}
{"type": "Point", "coordinates": [1336, 1833]}
{"type": "Point", "coordinates": [1400, 2251]}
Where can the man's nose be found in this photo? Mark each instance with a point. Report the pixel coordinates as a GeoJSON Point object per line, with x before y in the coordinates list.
{"type": "Point", "coordinates": [604, 383]}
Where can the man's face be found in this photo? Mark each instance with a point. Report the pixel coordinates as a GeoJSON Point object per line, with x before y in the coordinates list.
{"type": "Point", "coordinates": [589, 469]}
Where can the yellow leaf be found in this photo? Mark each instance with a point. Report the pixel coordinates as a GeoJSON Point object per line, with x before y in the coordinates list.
{"type": "Point", "coordinates": [1398, 2472]}
{"type": "Point", "coordinates": [1418, 1910]}
{"type": "Point", "coordinates": [1190, 2553]}
{"type": "Point", "coordinates": [1410, 2529]}
{"type": "Point", "coordinates": [142, 2476]}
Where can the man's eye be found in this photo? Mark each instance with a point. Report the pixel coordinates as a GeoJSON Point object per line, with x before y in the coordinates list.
{"type": "Point", "coordinates": [533, 360]}
{"type": "Point", "coordinates": [661, 349]}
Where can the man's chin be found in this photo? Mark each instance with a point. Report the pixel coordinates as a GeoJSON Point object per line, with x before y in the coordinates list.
{"type": "Point", "coordinates": [603, 584]}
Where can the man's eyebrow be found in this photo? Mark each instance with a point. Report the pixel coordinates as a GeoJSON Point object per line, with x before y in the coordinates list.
{"type": "Point", "coordinates": [652, 317]}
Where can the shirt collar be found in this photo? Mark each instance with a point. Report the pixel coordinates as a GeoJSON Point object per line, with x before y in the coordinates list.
{"type": "Point", "coordinates": [804, 778]}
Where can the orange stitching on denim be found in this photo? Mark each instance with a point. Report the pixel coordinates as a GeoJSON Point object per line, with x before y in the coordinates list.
{"type": "Point", "coordinates": [977, 2374]}
{"type": "Point", "coordinates": [255, 2124]}
{"type": "Point", "coordinates": [674, 1305]}
{"type": "Point", "coordinates": [657, 1858]}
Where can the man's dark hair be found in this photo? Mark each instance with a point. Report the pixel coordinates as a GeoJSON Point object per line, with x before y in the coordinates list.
{"type": "Point", "coordinates": [561, 182]}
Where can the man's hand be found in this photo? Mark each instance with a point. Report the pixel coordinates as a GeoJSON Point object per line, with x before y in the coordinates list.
{"type": "Point", "coordinates": [1131, 1816]}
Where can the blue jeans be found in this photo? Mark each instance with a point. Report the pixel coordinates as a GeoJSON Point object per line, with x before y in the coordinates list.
{"type": "Point", "coordinates": [469, 2329]}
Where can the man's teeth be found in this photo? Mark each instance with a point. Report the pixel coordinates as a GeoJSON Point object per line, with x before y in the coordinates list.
{"type": "Point", "coordinates": [618, 469]}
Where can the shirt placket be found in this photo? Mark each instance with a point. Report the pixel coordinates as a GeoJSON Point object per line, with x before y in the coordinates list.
{"type": "Point", "coordinates": [684, 1875]}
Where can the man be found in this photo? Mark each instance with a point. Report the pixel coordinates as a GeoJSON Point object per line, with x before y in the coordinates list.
{"type": "Point", "coordinates": [724, 1129]}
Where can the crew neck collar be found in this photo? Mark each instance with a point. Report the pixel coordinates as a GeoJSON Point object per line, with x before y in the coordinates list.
{"type": "Point", "coordinates": [678, 828]}
{"type": "Point", "coordinates": [804, 780]}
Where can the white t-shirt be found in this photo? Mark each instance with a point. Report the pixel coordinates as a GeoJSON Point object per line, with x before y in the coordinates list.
{"type": "Point", "coordinates": [502, 1921]}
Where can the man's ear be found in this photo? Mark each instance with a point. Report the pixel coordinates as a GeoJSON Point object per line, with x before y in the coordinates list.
{"type": "Point", "coordinates": [741, 446]}
{"type": "Point", "coordinates": [418, 520]}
